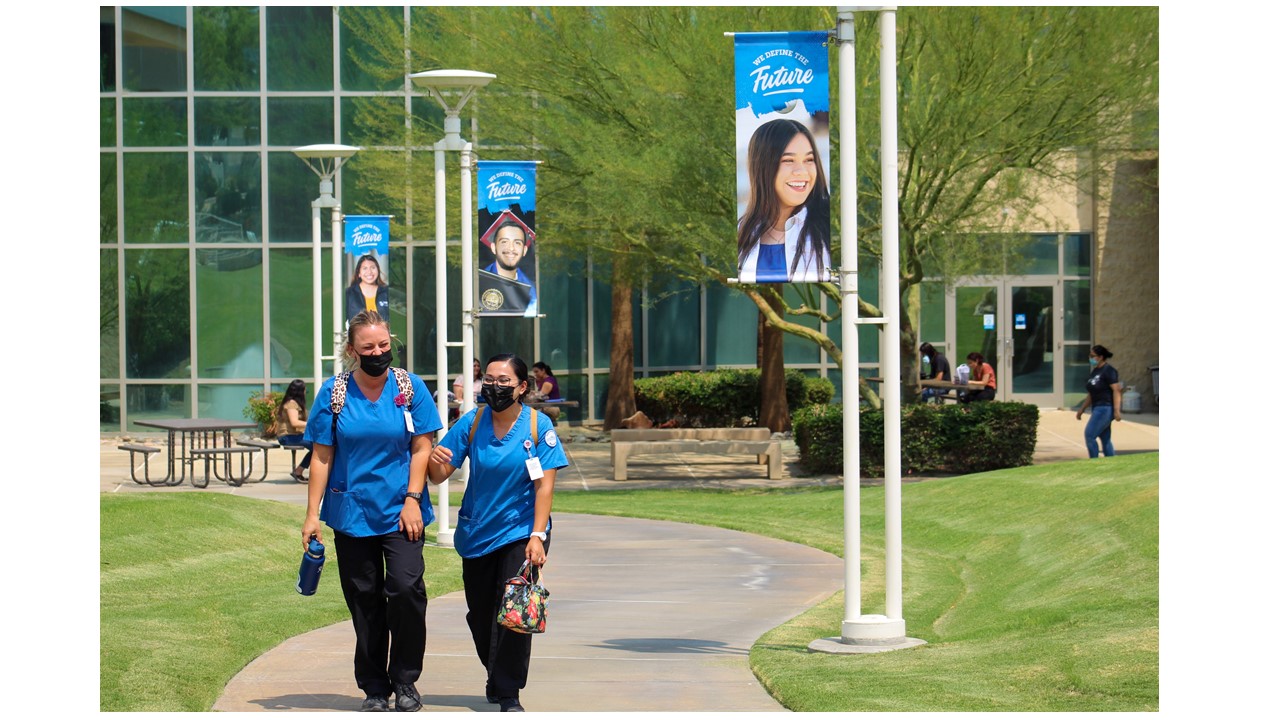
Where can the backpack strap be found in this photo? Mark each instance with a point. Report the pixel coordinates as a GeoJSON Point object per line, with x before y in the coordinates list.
{"type": "Point", "coordinates": [475, 423]}
{"type": "Point", "coordinates": [337, 399]}
{"type": "Point", "coordinates": [404, 384]}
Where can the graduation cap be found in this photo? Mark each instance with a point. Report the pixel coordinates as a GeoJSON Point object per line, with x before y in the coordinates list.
{"type": "Point", "coordinates": [503, 217]}
{"type": "Point", "coordinates": [503, 296]}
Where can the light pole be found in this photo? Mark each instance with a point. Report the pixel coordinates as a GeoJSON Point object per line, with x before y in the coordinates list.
{"type": "Point", "coordinates": [461, 86]}
{"type": "Point", "coordinates": [324, 160]}
{"type": "Point", "coordinates": [861, 633]}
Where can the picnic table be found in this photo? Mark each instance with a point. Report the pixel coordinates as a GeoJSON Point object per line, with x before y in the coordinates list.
{"type": "Point", "coordinates": [190, 440]}
{"type": "Point", "coordinates": [950, 385]}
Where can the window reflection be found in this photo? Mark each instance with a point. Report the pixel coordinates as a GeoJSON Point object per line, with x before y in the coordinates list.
{"type": "Point", "coordinates": [225, 43]}
{"type": "Point", "coordinates": [230, 122]}
{"type": "Point", "coordinates": [155, 197]}
{"type": "Point", "coordinates": [300, 54]}
{"type": "Point", "coordinates": [229, 312]}
{"type": "Point", "coordinates": [154, 58]}
{"type": "Point", "coordinates": [155, 122]}
{"type": "Point", "coordinates": [157, 314]}
{"type": "Point", "coordinates": [228, 197]}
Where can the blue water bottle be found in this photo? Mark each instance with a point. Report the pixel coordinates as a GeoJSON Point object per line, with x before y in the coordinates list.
{"type": "Point", "coordinates": [312, 564]}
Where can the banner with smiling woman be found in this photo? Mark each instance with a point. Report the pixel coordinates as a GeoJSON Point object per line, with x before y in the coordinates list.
{"type": "Point", "coordinates": [368, 247]}
{"type": "Point", "coordinates": [783, 104]}
{"type": "Point", "coordinates": [506, 192]}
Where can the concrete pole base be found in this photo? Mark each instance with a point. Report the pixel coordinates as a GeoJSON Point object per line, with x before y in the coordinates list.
{"type": "Point", "coordinates": [444, 538]}
{"type": "Point", "coordinates": [868, 634]}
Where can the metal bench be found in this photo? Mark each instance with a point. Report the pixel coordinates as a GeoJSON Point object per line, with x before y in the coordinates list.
{"type": "Point", "coordinates": [717, 441]}
{"type": "Point", "coordinates": [293, 459]}
{"type": "Point", "coordinates": [223, 455]}
{"type": "Point", "coordinates": [147, 451]}
{"type": "Point", "coordinates": [264, 446]}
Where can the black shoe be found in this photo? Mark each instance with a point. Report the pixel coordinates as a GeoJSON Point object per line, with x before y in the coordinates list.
{"type": "Point", "coordinates": [407, 698]}
{"type": "Point", "coordinates": [374, 703]}
{"type": "Point", "coordinates": [510, 704]}
{"type": "Point", "coordinates": [490, 694]}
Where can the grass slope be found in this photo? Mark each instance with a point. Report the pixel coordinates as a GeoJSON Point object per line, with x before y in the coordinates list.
{"type": "Point", "coordinates": [195, 585]}
{"type": "Point", "coordinates": [1036, 588]}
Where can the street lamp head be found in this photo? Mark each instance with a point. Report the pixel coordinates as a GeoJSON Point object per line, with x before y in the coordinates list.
{"type": "Point", "coordinates": [324, 160]}
{"type": "Point", "coordinates": [466, 82]}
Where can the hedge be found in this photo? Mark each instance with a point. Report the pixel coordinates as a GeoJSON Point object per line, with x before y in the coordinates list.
{"type": "Point", "coordinates": [947, 438]}
{"type": "Point", "coordinates": [722, 398]}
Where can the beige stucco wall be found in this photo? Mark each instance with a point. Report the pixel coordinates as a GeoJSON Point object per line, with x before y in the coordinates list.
{"type": "Point", "coordinates": [1126, 295]}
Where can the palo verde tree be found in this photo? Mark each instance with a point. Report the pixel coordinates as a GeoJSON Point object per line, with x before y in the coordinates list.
{"type": "Point", "coordinates": [996, 104]}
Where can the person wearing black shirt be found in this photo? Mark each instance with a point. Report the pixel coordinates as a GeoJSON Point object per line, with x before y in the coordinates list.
{"type": "Point", "coordinates": [1104, 397]}
{"type": "Point", "coordinates": [939, 369]}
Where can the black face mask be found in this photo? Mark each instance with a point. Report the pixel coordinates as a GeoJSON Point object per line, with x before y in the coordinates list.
{"type": "Point", "coordinates": [375, 365]}
{"type": "Point", "coordinates": [498, 397]}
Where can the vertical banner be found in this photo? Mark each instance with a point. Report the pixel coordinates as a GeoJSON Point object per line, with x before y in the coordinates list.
{"type": "Point", "coordinates": [368, 253]}
{"type": "Point", "coordinates": [782, 89]}
{"type": "Point", "coordinates": [506, 192]}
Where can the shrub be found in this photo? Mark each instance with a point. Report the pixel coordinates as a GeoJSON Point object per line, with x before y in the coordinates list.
{"type": "Point", "coordinates": [948, 438]}
{"type": "Point", "coordinates": [262, 409]}
{"type": "Point", "coordinates": [721, 398]}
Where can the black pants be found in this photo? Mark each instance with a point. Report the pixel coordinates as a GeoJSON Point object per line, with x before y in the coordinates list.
{"type": "Point", "coordinates": [504, 654]}
{"type": "Point", "coordinates": [986, 393]}
{"type": "Point", "coordinates": [382, 583]}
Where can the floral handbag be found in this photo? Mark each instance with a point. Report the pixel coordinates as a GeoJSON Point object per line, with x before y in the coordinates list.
{"type": "Point", "coordinates": [523, 608]}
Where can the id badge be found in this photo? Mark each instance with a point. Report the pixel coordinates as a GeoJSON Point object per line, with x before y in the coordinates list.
{"type": "Point", "coordinates": [535, 468]}
{"type": "Point", "coordinates": [408, 422]}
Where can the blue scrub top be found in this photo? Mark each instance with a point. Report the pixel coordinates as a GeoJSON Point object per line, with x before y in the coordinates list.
{"type": "Point", "coordinates": [369, 475]}
{"type": "Point", "coordinates": [497, 507]}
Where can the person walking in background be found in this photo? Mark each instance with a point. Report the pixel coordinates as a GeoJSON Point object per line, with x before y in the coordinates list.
{"type": "Point", "coordinates": [939, 369]}
{"type": "Point", "coordinates": [291, 421]}
{"type": "Point", "coordinates": [1103, 387]}
{"type": "Point", "coordinates": [505, 517]}
{"type": "Point", "coordinates": [368, 291]}
{"type": "Point", "coordinates": [367, 477]}
{"type": "Point", "coordinates": [785, 233]}
{"type": "Point", "coordinates": [546, 388]}
{"type": "Point", "coordinates": [979, 371]}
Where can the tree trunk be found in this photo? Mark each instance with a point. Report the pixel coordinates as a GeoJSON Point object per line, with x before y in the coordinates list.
{"type": "Point", "coordinates": [909, 336]}
{"type": "Point", "coordinates": [773, 379]}
{"type": "Point", "coordinates": [620, 403]}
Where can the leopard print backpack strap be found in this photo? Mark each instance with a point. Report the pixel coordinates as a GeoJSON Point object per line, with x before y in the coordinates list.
{"type": "Point", "coordinates": [404, 384]}
{"type": "Point", "coordinates": [337, 399]}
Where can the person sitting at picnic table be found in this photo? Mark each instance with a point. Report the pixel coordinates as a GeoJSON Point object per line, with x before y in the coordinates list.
{"type": "Point", "coordinates": [939, 369]}
{"type": "Point", "coordinates": [291, 423]}
{"type": "Point", "coordinates": [546, 388]}
{"type": "Point", "coordinates": [980, 371]}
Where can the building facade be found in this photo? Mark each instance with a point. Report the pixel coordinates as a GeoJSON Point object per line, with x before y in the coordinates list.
{"type": "Point", "coordinates": [206, 249]}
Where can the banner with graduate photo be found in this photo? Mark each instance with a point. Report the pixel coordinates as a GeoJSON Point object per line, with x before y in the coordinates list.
{"type": "Point", "coordinates": [368, 255]}
{"type": "Point", "coordinates": [506, 200]}
{"type": "Point", "coordinates": [782, 90]}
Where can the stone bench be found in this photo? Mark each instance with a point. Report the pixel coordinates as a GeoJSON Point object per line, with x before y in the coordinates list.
{"type": "Point", "coordinates": [716, 441]}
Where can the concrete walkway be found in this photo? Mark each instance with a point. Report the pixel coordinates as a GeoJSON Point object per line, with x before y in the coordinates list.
{"type": "Point", "coordinates": [644, 615]}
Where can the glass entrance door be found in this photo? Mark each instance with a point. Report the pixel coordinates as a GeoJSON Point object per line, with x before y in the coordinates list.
{"type": "Point", "coordinates": [1015, 324]}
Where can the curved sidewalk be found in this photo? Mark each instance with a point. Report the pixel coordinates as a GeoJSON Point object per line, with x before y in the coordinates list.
{"type": "Point", "coordinates": [643, 616]}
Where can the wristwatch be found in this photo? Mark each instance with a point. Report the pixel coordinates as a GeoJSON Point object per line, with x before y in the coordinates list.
{"type": "Point", "coordinates": [540, 535]}
{"type": "Point", "coordinates": [416, 496]}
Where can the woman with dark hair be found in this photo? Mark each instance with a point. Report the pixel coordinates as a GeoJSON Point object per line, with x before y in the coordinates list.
{"type": "Point", "coordinates": [785, 233]}
{"type": "Point", "coordinates": [979, 371]}
{"type": "Point", "coordinates": [505, 517]}
{"type": "Point", "coordinates": [546, 388]}
{"type": "Point", "coordinates": [939, 369]}
{"type": "Point", "coordinates": [291, 421]}
{"type": "Point", "coordinates": [368, 291]}
{"type": "Point", "coordinates": [1104, 388]}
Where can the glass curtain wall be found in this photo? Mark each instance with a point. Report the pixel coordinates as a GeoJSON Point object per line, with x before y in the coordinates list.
{"type": "Point", "coordinates": [205, 249]}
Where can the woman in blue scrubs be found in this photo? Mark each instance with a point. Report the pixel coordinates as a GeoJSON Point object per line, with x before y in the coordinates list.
{"type": "Point", "coordinates": [505, 517]}
{"type": "Point", "coordinates": [367, 474]}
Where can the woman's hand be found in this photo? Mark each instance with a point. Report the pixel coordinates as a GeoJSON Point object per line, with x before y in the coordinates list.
{"type": "Point", "coordinates": [534, 552]}
{"type": "Point", "coordinates": [310, 527]}
{"type": "Point", "coordinates": [411, 519]}
{"type": "Point", "coordinates": [441, 455]}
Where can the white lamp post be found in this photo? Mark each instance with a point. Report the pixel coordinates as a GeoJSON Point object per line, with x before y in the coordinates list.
{"type": "Point", "coordinates": [461, 86]}
{"type": "Point", "coordinates": [324, 160]}
{"type": "Point", "coordinates": [870, 633]}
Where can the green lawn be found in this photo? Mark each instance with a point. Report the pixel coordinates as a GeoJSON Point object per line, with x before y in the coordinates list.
{"type": "Point", "coordinates": [1036, 589]}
